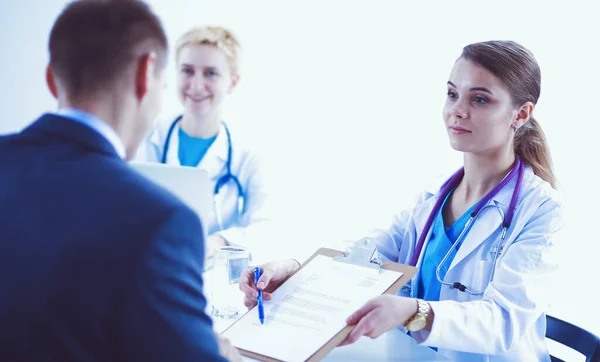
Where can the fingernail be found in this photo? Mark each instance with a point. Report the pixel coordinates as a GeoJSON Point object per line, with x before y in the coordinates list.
{"type": "Point", "coordinates": [260, 285]}
{"type": "Point", "coordinates": [255, 294]}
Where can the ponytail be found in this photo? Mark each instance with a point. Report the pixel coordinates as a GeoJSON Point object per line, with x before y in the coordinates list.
{"type": "Point", "coordinates": [532, 148]}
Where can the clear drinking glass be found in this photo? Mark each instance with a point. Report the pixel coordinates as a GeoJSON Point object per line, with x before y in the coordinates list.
{"type": "Point", "coordinates": [228, 264]}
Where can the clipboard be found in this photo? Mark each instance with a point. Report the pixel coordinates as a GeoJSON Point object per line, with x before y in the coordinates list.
{"type": "Point", "coordinates": [361, 255]}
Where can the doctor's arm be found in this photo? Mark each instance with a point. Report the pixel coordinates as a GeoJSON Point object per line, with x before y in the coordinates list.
{"type": "Point", "coordinates": [256, 227]}
{"type": "Point", "coordinates": [514, 300]}
{"type": "Point", "coordinates": [389, 240]}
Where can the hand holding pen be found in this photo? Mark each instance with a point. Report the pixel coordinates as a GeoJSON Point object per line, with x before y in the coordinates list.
{"type": "Point", "coordinates": [273, 274]}
{"type": "Point", "coordinates": [261, 309]}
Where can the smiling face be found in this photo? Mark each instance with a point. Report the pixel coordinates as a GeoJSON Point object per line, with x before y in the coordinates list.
{"type": "Point", "coordinates": [479, 112]}
{"type": "Point", "coordinates": [204, 79]}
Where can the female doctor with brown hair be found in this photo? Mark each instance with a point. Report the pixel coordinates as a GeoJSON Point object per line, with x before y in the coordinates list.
{"type": "Point", "coordinates": [481, 240]}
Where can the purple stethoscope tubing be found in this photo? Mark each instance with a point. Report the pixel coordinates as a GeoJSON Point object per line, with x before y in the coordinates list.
{"type": "Point", "coordinates": [517, 170]}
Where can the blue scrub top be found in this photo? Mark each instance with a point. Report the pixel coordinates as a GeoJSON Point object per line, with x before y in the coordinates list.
{"type": "Point", "coordinates": [192, 149]}
{"type": "Point", "coordinates": [440, 242]}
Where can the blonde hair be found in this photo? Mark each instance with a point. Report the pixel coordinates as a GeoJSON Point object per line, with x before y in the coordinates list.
{"type": "Point", "coordinates": [216, 36]}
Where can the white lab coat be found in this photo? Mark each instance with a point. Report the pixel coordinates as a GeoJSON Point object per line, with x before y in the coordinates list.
{"type": "Point", "coordinates": [507, 322]}
{"type": "Point", "coordinates": [253, 228]}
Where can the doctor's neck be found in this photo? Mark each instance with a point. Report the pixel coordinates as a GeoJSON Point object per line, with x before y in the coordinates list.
{"type": "Point", "coordinates": [483, 172]}
{"type": "Point", "coordinates": [201, 127]}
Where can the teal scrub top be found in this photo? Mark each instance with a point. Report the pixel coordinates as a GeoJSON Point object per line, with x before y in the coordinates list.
{"type": "Point", "coordinates": [192, 149]}
{"type": "Point", "coordinates": [441, 240]}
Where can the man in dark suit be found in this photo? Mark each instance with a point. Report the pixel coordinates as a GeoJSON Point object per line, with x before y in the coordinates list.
{"type": "Point", "coordinates": [96, 262]}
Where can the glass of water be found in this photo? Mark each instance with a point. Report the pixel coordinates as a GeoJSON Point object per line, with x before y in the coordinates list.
{"type": "Point", "coordinates": [228, 264]}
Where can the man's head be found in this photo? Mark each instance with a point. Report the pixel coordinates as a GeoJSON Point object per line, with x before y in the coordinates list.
{"type": "Point", "coordinates": [108, 57]}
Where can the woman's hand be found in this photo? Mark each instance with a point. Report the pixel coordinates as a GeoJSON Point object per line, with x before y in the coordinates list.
{"type": "Point", "coordinates": [212, 242]}
{"type": "Point", "coordinates": [380, 315]}
{"type": "Point", "coordinates": [273, 274]}
{"type": "Point", "coordinates": [227, 350]}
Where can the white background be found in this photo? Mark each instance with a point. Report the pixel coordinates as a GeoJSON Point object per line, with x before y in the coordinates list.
{"type": "Point", "coordinates": [343, 101]}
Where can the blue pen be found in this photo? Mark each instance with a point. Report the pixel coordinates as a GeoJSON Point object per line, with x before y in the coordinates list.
{"type": "Point", "coordinates": [261, 310]}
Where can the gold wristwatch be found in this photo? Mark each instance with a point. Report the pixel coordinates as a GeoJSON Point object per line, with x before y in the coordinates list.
{"type": "Point", "coordinates": [419, 320]}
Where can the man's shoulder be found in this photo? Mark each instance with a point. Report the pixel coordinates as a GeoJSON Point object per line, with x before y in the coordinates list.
{"type": "Point", "coordinates": [6, 139]}
{"type": "Point", "coordinates": [138, 190]}
{"type": "Point", "coordinates": [143, 210]}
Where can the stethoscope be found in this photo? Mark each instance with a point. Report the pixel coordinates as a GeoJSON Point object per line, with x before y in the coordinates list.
{"type": "Point", "coordinates": [221, 181]}
{"type": "Point", "coordinates": [517, 170]}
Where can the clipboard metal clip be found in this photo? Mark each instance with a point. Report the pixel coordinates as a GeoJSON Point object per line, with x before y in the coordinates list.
{"type": "Point", "coordinates": [361, 254]}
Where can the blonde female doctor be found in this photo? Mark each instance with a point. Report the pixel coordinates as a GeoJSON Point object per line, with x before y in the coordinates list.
{"type": "Point", "coordinates": [481, 240]}
{"type": "Point", "coordinates": [207, 71]}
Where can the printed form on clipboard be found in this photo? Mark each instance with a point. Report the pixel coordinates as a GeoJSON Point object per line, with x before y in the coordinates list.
{"type": "Point", "coordinates": [306, 316]}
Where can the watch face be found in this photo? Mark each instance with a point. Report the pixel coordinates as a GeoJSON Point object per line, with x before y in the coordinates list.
{"type": "Point", "coordinates": [417, 324]}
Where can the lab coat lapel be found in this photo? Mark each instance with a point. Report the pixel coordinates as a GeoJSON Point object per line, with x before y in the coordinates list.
{"type": "Point", "coordinates": [214, 161]}
{"type": "Point", "coordinates": [420, 215]}
{"type": "Point", "coordinates": [173, 151]}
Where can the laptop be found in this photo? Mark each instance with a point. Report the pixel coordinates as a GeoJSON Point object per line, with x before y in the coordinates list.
{"type": "Point", "coordinates": [191, 184]}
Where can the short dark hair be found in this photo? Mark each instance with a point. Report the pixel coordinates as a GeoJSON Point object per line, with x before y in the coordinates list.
{"type": "Point", "coordinates": [93, 42]}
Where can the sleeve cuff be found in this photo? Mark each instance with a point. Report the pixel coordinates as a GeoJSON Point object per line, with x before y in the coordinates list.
{"type": "Point", "coordinates": [431, 338]}
{"type": "Point", "coordinates": [233, 236]}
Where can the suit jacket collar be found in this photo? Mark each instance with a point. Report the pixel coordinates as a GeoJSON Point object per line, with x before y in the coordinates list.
{"type": "Point", "coordinates": [71, 131]}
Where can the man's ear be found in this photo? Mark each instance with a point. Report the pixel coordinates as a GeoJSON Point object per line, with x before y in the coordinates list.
{"type": "Point", "coordinates": [144, 68]}
{"type": "Point", "coordinates": [51, 82]}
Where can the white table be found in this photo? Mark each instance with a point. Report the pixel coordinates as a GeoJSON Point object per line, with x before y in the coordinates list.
{"type": "Point", "coordinates": [394, 345]}
{"type": "Point", "coordinates": [391, 346]}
